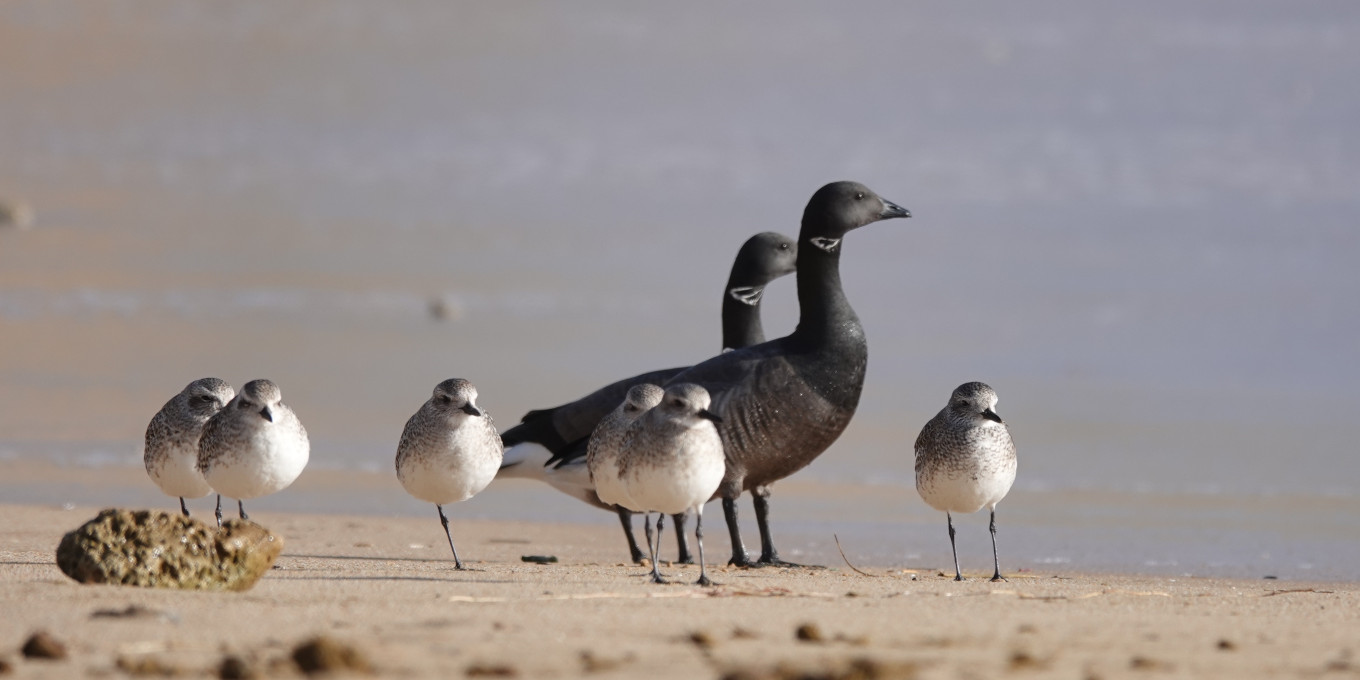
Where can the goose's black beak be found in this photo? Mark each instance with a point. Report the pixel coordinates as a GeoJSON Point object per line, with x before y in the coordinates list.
{"type": "Point", "coordinates": [891, 210]}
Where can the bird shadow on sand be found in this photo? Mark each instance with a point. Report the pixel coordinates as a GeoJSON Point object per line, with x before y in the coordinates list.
{"type": "Point", "coordinates": [433, 579]}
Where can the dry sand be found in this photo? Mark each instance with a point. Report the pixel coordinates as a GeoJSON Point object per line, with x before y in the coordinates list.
{"type": "Point", "coordinates": [386, 587]}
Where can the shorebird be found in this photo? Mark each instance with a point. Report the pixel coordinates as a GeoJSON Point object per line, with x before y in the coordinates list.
{"type": "Point", "coordinates": [785, 401]}
{"type": "Point", "coordinates": [253, 447]}
{"type": "Point", "coordinates": [449, 450]}
{"type": "Point", "coordinates": [965, 461]}
{"type": "Point", "coordinates": [671, 462]}
{"type": "Point", "coordinates": [550, 444]}
{"type": "Point", "coordinates": [606, 444]}
{"type": "Point", "coordinates": [171, 451]}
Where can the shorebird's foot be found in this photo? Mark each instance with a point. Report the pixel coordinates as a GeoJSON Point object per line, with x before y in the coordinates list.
{"type": "Point", "coordinates": [958, 577]}
{"type": "Point", "coordinates": [704, 580]}
{"type": "Point", "coordinates": [656, 578]}
{"type": "Point", "coordinates": [999, 577]}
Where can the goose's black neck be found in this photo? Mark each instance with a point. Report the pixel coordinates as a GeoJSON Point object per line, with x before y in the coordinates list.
{"type": "Point", "coordinates": [826, 317]}
{"type": "Point", "coordinates": [741, 314]}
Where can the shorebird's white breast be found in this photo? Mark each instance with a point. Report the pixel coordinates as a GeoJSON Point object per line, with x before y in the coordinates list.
{"type": "Point", "coordinates": [174, 469]}
{"type": "Point", "coordinates": [967, 487]}
{"type": "Point", "coordinates": [266, 461]}
{"type": "Point", "coordinates": [682, 477]}
{"type": "Point", "coordinates": [455, 468]}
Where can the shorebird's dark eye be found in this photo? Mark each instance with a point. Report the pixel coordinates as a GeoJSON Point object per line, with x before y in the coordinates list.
{"type": "Point", "coordinates": [445, 399]}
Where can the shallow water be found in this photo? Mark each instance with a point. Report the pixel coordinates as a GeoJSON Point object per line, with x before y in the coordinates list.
{"type": "Point", "coordinates": [1137, 224]}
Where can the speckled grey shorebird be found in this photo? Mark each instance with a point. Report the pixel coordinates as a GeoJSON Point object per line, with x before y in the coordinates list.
{"type": "Point", "coordinates": [965, 461]}
{"type": "Point", "coordinates": [551, 444]}
{"type": "Point", "coordinates": [449, 450]}
{"type": "Point", "coordinates": [171, 451]}
{"type": "Point", "coordinates": [253, 447]}
{"type": "Point", "coordinates": [786, 401]}
{"type": "Point", "coordinates": [606, 443]}
{"type": "Point", "coordinates": [671, 462]}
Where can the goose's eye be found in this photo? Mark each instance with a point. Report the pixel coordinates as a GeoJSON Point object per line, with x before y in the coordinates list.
{"type": "Point", "coordinates": [783, 246]}
{"type": "Point", "coordinates": [859, 196]}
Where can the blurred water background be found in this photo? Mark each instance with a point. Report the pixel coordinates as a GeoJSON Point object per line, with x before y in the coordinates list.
{"type": "Point", "coordinates": [1137, 221]}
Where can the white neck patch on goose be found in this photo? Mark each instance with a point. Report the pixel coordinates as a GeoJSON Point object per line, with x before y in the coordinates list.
{"type": "Point", "coordinates": [828, 244]}
{"type": "Point", "coordinates": [749, 295]}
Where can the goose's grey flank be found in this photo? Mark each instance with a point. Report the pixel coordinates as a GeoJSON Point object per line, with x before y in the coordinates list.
{"type": "Point", "coordinates": [672, 462]}
{"type": "Point", "coordinates": [785, 401]}
{"type": "Point", "coordinates": [449, 450]}
{"type": "Point", "coordinates": [551, 444]}
{"type": "Point", "coordinates": [965, 461]}
{"type": "Point", "coordinates": [253, 447]}
{"type": "Point", "coordinates": [171, 450]}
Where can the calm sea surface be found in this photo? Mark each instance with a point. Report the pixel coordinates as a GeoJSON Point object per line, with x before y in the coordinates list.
{"type": "Point", "coordinates": [1138, 222]}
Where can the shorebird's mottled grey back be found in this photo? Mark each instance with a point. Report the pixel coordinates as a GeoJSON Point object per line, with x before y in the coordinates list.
{"type": "Point", "coordinates": [965, 459]}
{"type": "Point", "coordinates": [171, 445]}
{"type": "Point", "coordinates": [449, 450]}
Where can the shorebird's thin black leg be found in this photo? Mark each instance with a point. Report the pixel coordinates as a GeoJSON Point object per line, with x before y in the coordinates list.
{"type": "Point", "coordinates": [739, 556]}
{"type": "Point", "coordinates": [996, 562]}
{"type": "Point", "coordinates": [654, 547]}
{"type": "Point", "coordinates": [958, 575]}
{"type": "Point", "coordinates": [182, 507]}
{"type": "Point", "coordinates": [626, 519]}
{"type": "Point", "coordinates": [241, 509]}
{"type": "Point", "coordinates": [699, 538]}
{"type": "Point", "coordinates": [218, 512]}
{"type": "Point", "coordinates": [682, 554]}
{"type": "Point", "coordinates": [457, 563]}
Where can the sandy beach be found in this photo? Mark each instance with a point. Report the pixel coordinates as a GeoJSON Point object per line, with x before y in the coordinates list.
{"type": "Point", "coordinates": [386, 587]}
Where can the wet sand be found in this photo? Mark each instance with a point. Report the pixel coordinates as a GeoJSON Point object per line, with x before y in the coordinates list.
{"type": "Point", "coordinates": [386, 586]}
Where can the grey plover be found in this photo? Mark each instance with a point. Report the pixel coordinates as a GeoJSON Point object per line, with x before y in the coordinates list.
{"type": "Point", "coordinates": [449, 450]}
{"type": "Point", "coordinates": [785, 401]}
{"type": "Point", "coordinates": [550, 445]}
{"type": "Point", "coordinates": [671, 462]}
{"type": "Point", "coordinates": [171, 451]}
{"type": "Point", "coordinates": [606, 443]}
{"type": "Point", "coordinates": [965, 461]}
{"type": "Point", "coordinates": [253, 447]}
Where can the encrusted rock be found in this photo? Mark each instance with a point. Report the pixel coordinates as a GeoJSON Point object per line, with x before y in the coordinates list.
{"type": "Point", "coordinates": [158, 549]}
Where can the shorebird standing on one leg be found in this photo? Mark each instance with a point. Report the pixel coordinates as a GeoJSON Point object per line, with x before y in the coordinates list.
{"type": "Point", "coordinates": [449, 450]}
{"type": "Point", "coordinates": [965, 461]}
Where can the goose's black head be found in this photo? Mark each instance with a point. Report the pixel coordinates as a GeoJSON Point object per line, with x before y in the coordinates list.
{"type": "Point", "coordinates": [764, 258]}
{"type": "Point", "coordinates": [455, 395]}
{"type": "Point", "coordinates": [840, 207]}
